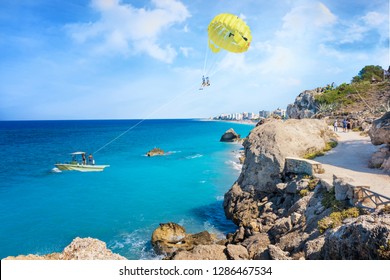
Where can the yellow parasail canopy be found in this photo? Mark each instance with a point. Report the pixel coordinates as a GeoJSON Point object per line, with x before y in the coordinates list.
{"type": "Point", "coordinates": [229, 32]}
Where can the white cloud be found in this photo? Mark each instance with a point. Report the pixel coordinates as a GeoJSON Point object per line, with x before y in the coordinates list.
{"type": "Point", "coordinates": [126, 30]}
{"type": "Point", "coordinates": [186, 51]}
{"type": "Point", "coordinates": [375, 19]}
{"type": "Point", "coordinates": [308, 18]}
{"type": "Point", "coordinates": [358, 29]}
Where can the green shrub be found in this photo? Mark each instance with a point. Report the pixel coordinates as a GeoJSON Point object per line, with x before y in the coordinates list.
{"type": "Point", "coordinates": [314, 155]}
{"type": "Point", "coordinates": [384, 251]}
{"type": "Point", "coordinates": [336, 218]}
{"type": "Point", "coordinates": [312, 184]}
{"type": "Point", "coordinates": [330, 145]}
{"type": "Point", "coordinates": [329, 200]}
{"type": "Point", "coordinates": [303, 192]}
{"type": "Point", "coordinates": [344, 94]}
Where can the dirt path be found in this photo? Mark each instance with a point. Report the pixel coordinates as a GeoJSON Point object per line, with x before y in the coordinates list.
{"type": "Point", "coordinates": [350, 159]}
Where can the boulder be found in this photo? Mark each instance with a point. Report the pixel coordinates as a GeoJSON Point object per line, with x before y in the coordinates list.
{"type": "Point", "coordinates": [79, 249]}
{"type": "Point", "coordinates": [277, 254]}
{"type": "Point", "coordinates": [266, 148]}
{"type": "Point", "coordinates": [313, 248]}
{"type": "Point", "coordinates": [237, 252]}
{"type": "Point", "coordinates": [381, 159]}
{"type": "Point", "coordinates": [230, 136]}
{"type": "Point", "coordinates": [256, 244]}
{"type": "Point", "coordinates": [170, 237]}
{"type": "Point", "coordinates": [281, 227]}
{"type": "Point", "coordinates": [380, 130]}
{"type": "Point", "coordinates": [155, 152]}
{"type": "Point", "coordinates": [343, 188]}
{"type": "Point", "coordinates": [202, 252]}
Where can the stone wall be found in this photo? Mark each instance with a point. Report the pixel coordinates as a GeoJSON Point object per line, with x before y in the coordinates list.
{"type": "Point", "coordinates": [302, 166]}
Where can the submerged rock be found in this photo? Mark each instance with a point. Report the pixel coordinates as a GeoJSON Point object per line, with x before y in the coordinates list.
{"type": "Point", "coordinates": [155, 152]}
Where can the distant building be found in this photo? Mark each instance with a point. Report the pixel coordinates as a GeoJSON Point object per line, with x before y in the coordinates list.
{"type": "Point", "coordinates": [264, 114]}
{"type": "Point", "coordinates": [280, 112]}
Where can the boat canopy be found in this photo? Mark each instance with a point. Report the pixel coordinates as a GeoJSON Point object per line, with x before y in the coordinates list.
{"type": "Point", "coordinates": [77, 153]}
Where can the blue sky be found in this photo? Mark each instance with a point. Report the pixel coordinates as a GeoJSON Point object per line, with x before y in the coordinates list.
{"type": "Point", "coordinates": [108, 59]}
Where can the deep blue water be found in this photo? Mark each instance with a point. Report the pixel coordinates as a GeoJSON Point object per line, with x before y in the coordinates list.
{"type": "Point", "coordinates": [42, 211]}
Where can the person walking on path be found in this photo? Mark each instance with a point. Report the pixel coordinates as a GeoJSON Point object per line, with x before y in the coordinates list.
{"type": "Point", "coordinates": [344, 125]}
{"type": "Point", "coordinates": [335, 125]}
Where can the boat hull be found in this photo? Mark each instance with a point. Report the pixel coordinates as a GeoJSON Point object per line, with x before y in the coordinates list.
{"type": "Point", "coordinates": [80, 167]}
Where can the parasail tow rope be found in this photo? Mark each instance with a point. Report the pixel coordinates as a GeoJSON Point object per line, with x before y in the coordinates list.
{"type": "Point", "coordinates": [146, 117]}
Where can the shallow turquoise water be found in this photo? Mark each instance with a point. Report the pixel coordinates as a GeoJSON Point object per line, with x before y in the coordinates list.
{"type": "Point", "coordinates": [42, 211]}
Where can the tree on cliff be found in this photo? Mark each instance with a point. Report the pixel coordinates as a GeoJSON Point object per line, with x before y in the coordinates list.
{"type": "Point", "coordinates": [368, 73]}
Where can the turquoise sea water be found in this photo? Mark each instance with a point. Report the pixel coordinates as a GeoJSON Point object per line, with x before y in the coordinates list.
{"type": "Point", "coordinates": [42, 211]}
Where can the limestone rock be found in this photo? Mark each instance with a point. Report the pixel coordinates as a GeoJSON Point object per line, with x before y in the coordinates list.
{"type": "Point", "coordinates": [362, 238]}
{"type": "Point", "coordinates": [305, 105]}
{"type": "Point", "coordinates": [380, 130]}
{"type": "Point", "coordinates": [313, 248]}
{"type": "Point", "coordinates": [292, 241]}
{"type": "Point", "coordinates": [381, 159]}
{"type": "Point", "coordinates": [155, 152]}
{"type": "Point", "coordinates": [277, 254]}
{"type": "Point", "coordinates": [281, 227]}
{"type": "Point", "coordinates": [240, 206]}
{"type": "Point", "coordinates": [230, 136]}
{"type": "Point", "coordinates": [79, 249]}
{"type": "Point", "coordinates": [256, 244]}
{"type": "Point", "coordinates": [88, 249]}
{"type": "Point", "coordinates": [343, 188]}
{"type": "Point", "coordinates": [269, 144]}
{"type": "Point", "coordinates": [202, 252]}
{"type": "Point", "coordinates": [168, 237]}
{"type": "Point", "coordinates": [237, 252]}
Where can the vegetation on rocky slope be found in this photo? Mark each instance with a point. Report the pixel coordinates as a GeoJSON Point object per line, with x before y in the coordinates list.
{"type": "Point", "coordinates": [369, 90]}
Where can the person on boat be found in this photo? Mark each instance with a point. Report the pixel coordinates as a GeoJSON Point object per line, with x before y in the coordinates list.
{"type": "Point", "coordinates": [83, 158]}
{"type": "Point", "coordinates": [91, 161]}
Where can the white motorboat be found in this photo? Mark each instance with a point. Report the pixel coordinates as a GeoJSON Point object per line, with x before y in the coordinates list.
{"type": "Point", "coordinates": [80, 163]}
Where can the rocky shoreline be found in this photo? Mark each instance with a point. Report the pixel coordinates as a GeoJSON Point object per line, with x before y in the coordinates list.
{"type": "Point", "coordinates": [282, 210]}
{"type": "Point", "coordinates": [280, 214]}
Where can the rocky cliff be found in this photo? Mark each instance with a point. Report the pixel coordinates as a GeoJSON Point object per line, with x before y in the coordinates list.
{"type": "Point", "coordinates": [292, 216]}
{"type": "Point", "coordinates": [281, 215]}
{"type": "Point", "coordinates": [304, 105]}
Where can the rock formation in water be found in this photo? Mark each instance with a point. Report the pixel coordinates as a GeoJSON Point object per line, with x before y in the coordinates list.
{"type": "Point", "coordinates": [170, 238]}
{"type": "Point", "coordinates": [155, 152]}
{"type": "Point", "coordinates": [230, 136]}
{"type": "Point", "coordinates": [79, 249]}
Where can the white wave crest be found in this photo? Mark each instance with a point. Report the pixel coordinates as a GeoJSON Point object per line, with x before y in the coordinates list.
{"type": "Point", "coordinates": [194, 156]}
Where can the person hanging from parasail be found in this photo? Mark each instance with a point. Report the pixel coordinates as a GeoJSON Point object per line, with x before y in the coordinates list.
{"type": "Point", "coordinates": [205, 82]}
